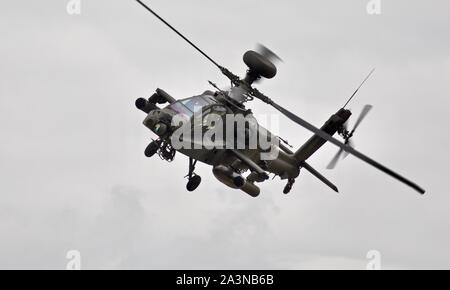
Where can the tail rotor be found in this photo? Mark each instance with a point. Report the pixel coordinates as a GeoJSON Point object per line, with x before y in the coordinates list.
{"type": "Point", "coordinates": [347, 135]}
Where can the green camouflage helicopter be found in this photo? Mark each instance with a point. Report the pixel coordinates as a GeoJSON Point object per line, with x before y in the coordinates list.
{"type": "Point", "coordinates": [175, 124]}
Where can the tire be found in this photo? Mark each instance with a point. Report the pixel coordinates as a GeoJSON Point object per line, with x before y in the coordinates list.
{"type": "Point", "coordinates": [193, 183]}
{"type": "Point", "coordinates": [151, 149]}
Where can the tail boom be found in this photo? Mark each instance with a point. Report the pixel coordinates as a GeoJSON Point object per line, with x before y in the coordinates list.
{"type": "Point", "coordinates": [315, 142]}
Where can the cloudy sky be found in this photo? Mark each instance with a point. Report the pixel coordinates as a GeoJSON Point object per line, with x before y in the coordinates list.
{"type": "Point", "coordinates": [73, 173]}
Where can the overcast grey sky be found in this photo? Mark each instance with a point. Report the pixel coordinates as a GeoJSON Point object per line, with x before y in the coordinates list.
{"type": "Point", "coordinates": [73, 173]}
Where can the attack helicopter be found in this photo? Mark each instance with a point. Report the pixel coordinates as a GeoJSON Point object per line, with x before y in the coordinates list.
{"type": "Point", "coordinates": [229, 163]}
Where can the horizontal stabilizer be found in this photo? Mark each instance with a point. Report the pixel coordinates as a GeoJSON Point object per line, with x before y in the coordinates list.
{"type": "Point", "coordinates": [319, 176]}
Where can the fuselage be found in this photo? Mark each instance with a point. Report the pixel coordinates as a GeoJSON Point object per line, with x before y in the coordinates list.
{"type": "Point", "coordinates": [195, 112]}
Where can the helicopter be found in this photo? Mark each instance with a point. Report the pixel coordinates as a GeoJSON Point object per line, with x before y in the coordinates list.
{"type": "Point", "coordinates": [230, 162]}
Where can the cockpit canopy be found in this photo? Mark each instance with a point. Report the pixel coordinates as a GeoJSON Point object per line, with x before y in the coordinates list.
{"type": "Point", "coordinates": [188, 107]}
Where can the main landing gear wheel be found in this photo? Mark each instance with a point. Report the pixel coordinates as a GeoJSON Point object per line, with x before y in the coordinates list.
{"type": "Point", "coordinates": [193, 183]}
{"type": "Point", "coordinates": [194, 179]}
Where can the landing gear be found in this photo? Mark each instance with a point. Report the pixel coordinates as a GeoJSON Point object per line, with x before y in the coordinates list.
{"type": "Point", "coordinates": [289, 185]}
{"type": "Point", "coordinates": [162, 147]}
{"type": "Point", "coordinates": [194, 179]}
{"type": "Point", "coordinates": [152, 148]}
{"type": "Point", "coordinates": [193, 183]}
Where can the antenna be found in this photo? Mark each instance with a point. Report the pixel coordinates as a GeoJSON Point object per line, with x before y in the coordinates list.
{"type": "Point", "coordinates": [368, 76]}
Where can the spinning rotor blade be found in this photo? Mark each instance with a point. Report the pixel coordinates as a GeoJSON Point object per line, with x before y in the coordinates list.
{"type": "Point", "coordinates": [336, 142]}
{"type": "Point", "coordinates": [264, 51]}
{"type": "Point", "coordinates": [361, 117]}
{"type": "Point", "coordinates": [335, 159]}
{"type": "Point", "coordinates": [349, 141]}
{"type": "Point", "coordinates": [340, 153]}
{"type": "Point", "coordinates": [351, 144]}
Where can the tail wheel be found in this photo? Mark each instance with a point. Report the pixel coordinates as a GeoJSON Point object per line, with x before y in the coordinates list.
{"type": "Point", "coordinates": [287, 189]}
{"type": "Point", "coordinates": [288, 186]}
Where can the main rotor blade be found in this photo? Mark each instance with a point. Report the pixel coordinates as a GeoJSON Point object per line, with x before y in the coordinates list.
{"type": "Point", "coordinates": [363, 114]}
{"type": "Point", "coordinates": [179, 33]}
{"type": "Point", "coordinates": [336, 142]}
{"type": "Point", "coordinates": [264, 51]}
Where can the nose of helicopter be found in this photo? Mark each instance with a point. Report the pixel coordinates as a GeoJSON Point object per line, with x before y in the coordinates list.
{"type": "Point", "coordinates": [151, 120]}
{"type": "Point", "coordinates": [158, 121]}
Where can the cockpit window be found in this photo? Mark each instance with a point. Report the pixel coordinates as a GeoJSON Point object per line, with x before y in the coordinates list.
{"type": "Point", "coordinates": [192, 105]}
{"type": "Point", "coordinates": [181, 109]}
{"type": "Point", "coordinates": [195, 104]}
